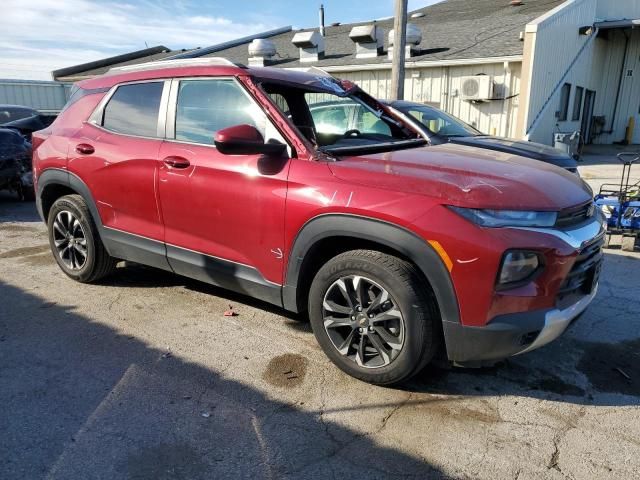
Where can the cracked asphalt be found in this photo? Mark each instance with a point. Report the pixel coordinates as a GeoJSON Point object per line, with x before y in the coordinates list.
{"type": "Point", "coordinates": [143, 377]}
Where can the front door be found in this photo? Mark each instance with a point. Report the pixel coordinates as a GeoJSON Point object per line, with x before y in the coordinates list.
{"type": "Point", "coordinates": [223, 214]}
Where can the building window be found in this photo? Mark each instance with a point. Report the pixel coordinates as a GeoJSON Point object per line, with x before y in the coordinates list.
{"type": "Point", "coordinates": [577, 104]}
{"type": "Point", "coordinates": [565, 93]}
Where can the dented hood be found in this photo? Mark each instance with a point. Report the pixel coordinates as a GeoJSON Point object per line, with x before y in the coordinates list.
{"type": "Point", "coordinates": [468, 177]}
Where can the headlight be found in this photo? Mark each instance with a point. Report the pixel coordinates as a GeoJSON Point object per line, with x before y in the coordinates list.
{"type": "Point", "coordinates": [507, 218]}
{"type": "Point", "coordinates": [517, 266]}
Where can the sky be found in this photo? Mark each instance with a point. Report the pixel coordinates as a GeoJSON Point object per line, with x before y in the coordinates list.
{"type": "Point", "coordinates": [39, 36]}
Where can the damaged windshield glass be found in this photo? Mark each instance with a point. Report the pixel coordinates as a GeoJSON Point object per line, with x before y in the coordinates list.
{"type": "Point", "coordinates": [340, 121]}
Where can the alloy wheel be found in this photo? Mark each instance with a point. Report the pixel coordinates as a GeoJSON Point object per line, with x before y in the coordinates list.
{"type": "Point", "coordinates": [363, 321]}
{"type": "Point", "coordinates": [70, 240]}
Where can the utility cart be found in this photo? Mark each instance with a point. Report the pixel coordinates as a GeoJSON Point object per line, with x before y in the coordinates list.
{"type": "Point", "coordinates": [620, 204]}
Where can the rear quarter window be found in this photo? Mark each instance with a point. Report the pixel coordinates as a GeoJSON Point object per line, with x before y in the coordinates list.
{"type": "Point", "coordinates": [133, 109]}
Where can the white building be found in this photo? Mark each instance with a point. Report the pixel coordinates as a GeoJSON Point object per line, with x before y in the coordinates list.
{"type": "Point", "coordinates": [523, 69]}
{"type": "Point", "coordinates": [581, 71]}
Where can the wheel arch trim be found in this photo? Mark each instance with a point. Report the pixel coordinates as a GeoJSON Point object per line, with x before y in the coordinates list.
{"type": "Point", "coordinates": [371, 229]}
{"type": "Point", "coordinates": [59, 176]}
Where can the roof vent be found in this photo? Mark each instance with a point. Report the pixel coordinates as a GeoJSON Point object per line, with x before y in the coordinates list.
{"type": "Point", "coordinates": [369, 40]}
{"type": "Point", "coordinates": [260, 52]}
{"type": "Point", "coordinates": [414, 37]}
{"type": "Point", "coordinates": [310, 45]}
{"type": "Point", "coordinates": [417, 15]}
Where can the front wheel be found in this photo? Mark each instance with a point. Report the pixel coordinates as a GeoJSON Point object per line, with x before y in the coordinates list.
{"type": "Point", "coordinates": [374, 316]}
{"type": "Point", "coordinates": [75, 242]}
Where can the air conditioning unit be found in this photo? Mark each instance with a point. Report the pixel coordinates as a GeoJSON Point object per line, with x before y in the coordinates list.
{"type": "Point", "coordinates": [476, 88]}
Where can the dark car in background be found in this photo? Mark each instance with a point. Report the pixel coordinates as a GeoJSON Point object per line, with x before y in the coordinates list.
{"type": "Point", "coordinates": [15, 164]}
{"type": "Point", "coordinates": [17, 124]}
{"type": "Point", "coordinates": [440, 127]}
{"type": "Point", "coordinates": [9, 113]}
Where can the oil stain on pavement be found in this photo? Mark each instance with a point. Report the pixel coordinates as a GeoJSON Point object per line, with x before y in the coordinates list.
{"type": "Point", "coordinates": [612, 368]}
{"type": "Point", "coordinates": [40, 260]}
{"type": "Point", "coordinates": [286, 370]}
{"type": "Point", "coordinates": [25, 251]}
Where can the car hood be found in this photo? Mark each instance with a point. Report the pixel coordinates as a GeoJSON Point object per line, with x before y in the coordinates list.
{"type": "Point", "coordinates": [468, 177]}
{"type": "Point", "coordinates": [537, 151]}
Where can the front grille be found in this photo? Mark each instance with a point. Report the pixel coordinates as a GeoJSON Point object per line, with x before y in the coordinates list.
{"type": "Point", "coordinates": [583, 276]}
{"type": "Point", "coordinates": [575, 215]}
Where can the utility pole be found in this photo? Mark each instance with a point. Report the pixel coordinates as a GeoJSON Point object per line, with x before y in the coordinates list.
{"type": "Point", "coordinates": [399, 43]}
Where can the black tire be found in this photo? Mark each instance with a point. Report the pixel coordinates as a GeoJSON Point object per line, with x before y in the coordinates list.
{"type": "Point", "coordinates": [407, 290]}
{"type": "Point", "coordinates": [97, 263]}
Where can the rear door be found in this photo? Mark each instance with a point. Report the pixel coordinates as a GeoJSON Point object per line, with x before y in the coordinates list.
{"type": "Point", "coordinates": [116, 155]}
{"type": "Point", "coordinates": [223, 214]}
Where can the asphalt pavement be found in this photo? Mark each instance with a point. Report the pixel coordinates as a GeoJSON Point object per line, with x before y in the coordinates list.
{"type": "Point", "coordinates": [143, 377]}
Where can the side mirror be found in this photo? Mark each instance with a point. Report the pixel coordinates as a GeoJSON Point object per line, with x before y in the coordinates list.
{"type": "Point", "coordinates": [245, 140]}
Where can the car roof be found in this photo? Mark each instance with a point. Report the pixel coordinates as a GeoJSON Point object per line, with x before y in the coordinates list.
{"type": "Point", "coordinates": [311, 77]}
{"type": "Point", "coordinates": [407, 104]}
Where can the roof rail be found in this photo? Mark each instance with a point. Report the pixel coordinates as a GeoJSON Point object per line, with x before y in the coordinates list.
{"type": "Point", "coordinates": [186, 62]}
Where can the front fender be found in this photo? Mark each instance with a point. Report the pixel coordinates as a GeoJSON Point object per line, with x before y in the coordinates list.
{"type": "Point", "coordinates": [393, 236]}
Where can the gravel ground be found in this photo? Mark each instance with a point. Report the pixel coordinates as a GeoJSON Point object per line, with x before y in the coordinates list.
{"type": "Point", "coordinates": [143, 377]}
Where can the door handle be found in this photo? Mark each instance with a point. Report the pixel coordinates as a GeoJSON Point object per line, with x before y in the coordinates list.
{"type": "Point", "coordinates": [85, 149]}
{"type": "Point", "coordinates": [176, 162]}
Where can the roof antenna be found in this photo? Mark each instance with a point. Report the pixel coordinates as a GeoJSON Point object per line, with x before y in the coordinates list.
{"type": "Point", "coordinates": [321, 19]}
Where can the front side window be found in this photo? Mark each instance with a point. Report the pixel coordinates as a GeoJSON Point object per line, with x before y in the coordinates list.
{"type": "Point", "coordinates": [133, 109]}
{"type": "Point", "coordinates": [206, 106]}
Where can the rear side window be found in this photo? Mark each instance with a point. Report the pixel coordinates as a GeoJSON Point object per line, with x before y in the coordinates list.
{"type": "Point", "coordinates": [133, 109]}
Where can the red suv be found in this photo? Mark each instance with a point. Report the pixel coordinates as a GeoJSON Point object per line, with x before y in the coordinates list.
{"type": "Point", "coordinates": [248, 179]}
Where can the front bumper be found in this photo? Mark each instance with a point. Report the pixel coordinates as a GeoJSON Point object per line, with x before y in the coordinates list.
{"type": "Point", "coordinates": [510, 335]}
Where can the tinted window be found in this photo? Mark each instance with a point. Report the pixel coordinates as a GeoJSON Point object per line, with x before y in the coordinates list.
{"type": "Point", "coordinates": [577, 104]}
{"type": "Point", "coordinates": [133, 109]}
{"type": "Point", "coordinates": [206, 106]}
{"type": "Point", "coordinates": [564, 102]}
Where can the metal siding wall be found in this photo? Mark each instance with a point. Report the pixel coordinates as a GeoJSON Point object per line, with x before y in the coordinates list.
{"type": "Point", "coordinates": [43, 96]}
{"type": "Point", "coordinates": [439, 84]}
{"type": "Point", "coordinates": [557, 43]}
{"type": "Point", "coordinates": [597, 69]}
{"type": "Point", "coordinates": [618, 9]}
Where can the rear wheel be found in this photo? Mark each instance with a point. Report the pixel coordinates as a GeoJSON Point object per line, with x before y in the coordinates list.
{"type": "Point", "coordinates": [374, 317]}
{"type": "Point", "coordinates": [75, 242]}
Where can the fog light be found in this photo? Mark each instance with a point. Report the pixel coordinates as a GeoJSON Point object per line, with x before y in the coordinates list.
{"type": "Point", "coordinates": [517, 266]}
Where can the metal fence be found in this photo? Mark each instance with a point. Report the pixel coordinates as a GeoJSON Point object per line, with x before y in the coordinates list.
{"type": "Point", "coordinates": [44, 96]}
